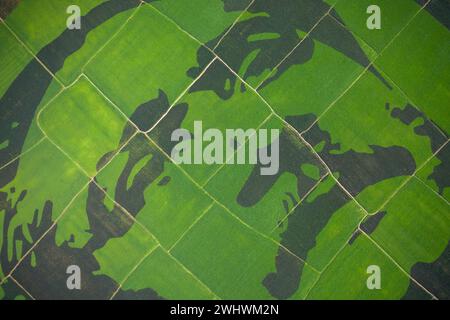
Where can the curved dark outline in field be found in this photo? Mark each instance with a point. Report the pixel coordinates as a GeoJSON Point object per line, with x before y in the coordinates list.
{"type": "Point", "coordinates": [18, 105]}
{"type": "Point", "coordinates": [279, 284]}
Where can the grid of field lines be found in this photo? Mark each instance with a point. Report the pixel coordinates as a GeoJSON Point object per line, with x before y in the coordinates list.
{"type": "Point", "coordinates": [86, 175]}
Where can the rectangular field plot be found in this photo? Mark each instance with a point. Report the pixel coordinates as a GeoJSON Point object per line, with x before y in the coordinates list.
{"type": "Point", "coordinates": [167, 277]}
{"type": "Point", "coordinates": [85, 125]}
{"type": "Point", "coordinates": [347, 277]}
{"type": "Point", "coordinates": [52, 18]}
{"type": "Point", "coordinates": [235, 262]}
{"type": "Point", "coordinates": [206, 20]}
{"type": "Point", "coordinates": [149, 54]}
{"type": "Point", "coordinates": [395, 15]}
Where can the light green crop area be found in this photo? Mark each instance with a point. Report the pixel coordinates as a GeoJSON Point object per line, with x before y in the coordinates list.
{"type": "Point", "coordinates": [312, 87]}
{"type": "Point", "coordinates": [44, 174]}
{"type": "Point", "coordinates": [169, 208]}
{"type": "Point", "coordinates": [157, 56]}
{"type": "Point", "coordinates": [338, 283]}
{"type": "Point", "coordinates": [15, 58]}
{"type": "Point", "coordinates": [38, 23]}
{"type": "Point", "coordinates": [263, 201]}
{"type": "Point", "coordinates": [425, 81]}
{"type": "Point", "coordinates": [232, 259]}
{"type": "Point", "coordinates": [412, 216]}
{"type": "Point", "coordinates": [84, 124]}
{"type": "Point", "coordinates": [168, 277]}
{"type": "Point", "coordinates": [353, 123]}
{"type": "Point", "coordinates": [394, 16]}
{"type": "Point", "coordinates": [95, 40]}
{"type": "Point", "coordinates": [204, 19]}
{"type": "Point", "coordinates": [244, 110]}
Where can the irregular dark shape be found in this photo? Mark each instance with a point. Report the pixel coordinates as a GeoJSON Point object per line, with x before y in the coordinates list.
{"type": "Point", "coordinates": [8, 173]}
{"type": "Point", "coordinates": [235, 5]}
{"type": "Point", "coordinates": [416, 293]}
{"type": "Point", "coordinates": [52, 260]}
{"type": "Point", "coordinates": [371, 222]}
{"type": "Point", "coordinates": [434, 276]}
{"type": "Point", "coordinates": [214, 78]}
{"type": "Point", "coordinates": [69, 41]}
{"type": "Point", "coordinates": [147, 114]}
{"type": "Point", "coordinates": [132, 198]}
{"type": "Point", "coordinates": [441, 173]}
{"type": "Point", "coordinates": [277, 283]}
{"type": "Point", "coordinates": [293, 154]}
{"type": "Point", "coordinates": [304, 225]}
{"type": "Point", "coordinates": [7, 6]}
{"type": "Point", "coordinates": [439, 9]}
{"type": "Point", "coordinates": [144, 294]}
{"type": "Point", "coordinates": [18, 105]}
{"type": "Point", "coordinates": [429, 129]}
{"type": "Point", "coordinates": [10, 210]}
{"type": "Point", "coordinates": [13, 291]}
{"type": "Point", "coordinates": [356, 171]}
{"type": "Point", "coordinates": [104, 224]}
{"type": "Point", "coordinates": [164, 181]}
{"type": "Point", "coordinates": [282, 18]}
{"type": "Point", "coordinates": [355, 236]}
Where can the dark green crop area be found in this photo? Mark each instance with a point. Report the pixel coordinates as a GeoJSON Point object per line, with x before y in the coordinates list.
{"type": "Point", "coordinates": [87, 178]}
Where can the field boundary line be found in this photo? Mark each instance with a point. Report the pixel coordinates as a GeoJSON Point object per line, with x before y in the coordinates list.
{"type": "Point", "coordinates": [431, 189]}
{"type": "Point", "coordinates": [333, 258]}
{"type": "Point", "coordinates": [30, 52]}
{"type": "Point", "coordinates": [235, 152]}
{"type": "Point", "coordinates": [128, 275]}
{"type": "Point", "coordinates": [295, 47]}
{"type": "Point", "coordinates": [225, 207]}
{"type": "Point", "coordinates": [189, 271]}
{"type": "Point", "coordinates": [54, 223]}
{"type": "Point", "coordinates": [233, 25]}
{"type": "Point", "coordinates": [299, 202]}
{"type": "Point", "coordinates": [407, 179]}
{"type": "Point", "coordinates": [122, 26]}
{"type": "Point", "coordinates": [192, 225]}
{"type": "Point", "coordinates": [136, 221]}
{"type": "Point", "coordinates": [22, 287]}
{"type": "Point", "coordinates": [182, 94]}
{"type": "Point", "coordinates": [301, 139]}
{"type": "Point", "coordinates": [397, 264]}
{"type": "Point", "coordinates": [23, 153]}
